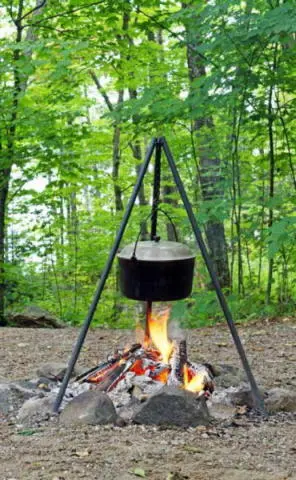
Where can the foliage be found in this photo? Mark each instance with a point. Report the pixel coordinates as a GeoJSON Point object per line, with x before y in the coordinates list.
{"type": "Point", "coordinates": [97, 81]}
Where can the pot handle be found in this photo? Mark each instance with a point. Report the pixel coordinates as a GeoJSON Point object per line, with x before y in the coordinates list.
{"type": "Point", "coordinates": [156, 239]}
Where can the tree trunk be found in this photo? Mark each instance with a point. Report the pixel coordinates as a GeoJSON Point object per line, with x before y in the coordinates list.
{"type": "Point", "coordinates": [210, 165]}
{"type": "Point", "coordinates": [137, 154]}
{"type": "Point", "coordinates": [5, 172]}
{"type": "Point", "coordinates": [271, 172]}
{"type": "Point", "coordinates": [115, 169]}
{"type": "Point", "coordinates": [7, 155]}
{"type": "Point", "coordinates": [4, 182]}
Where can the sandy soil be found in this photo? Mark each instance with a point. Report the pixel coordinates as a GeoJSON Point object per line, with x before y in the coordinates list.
{"type": "Point", "coordinates": [244, 449]}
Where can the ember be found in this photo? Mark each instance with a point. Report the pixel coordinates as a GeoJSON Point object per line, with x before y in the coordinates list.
{"type": "Point", "coordinates": [158, 358]}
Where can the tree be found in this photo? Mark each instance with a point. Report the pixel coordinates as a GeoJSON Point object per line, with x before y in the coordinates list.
{"type": "Point", "coordinates": [209, 174]}
{"type": "Point", "coordinates": [15, 81]}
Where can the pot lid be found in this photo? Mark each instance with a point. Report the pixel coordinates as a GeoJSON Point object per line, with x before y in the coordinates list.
{"type": "Point", "coordinates": [157, 251]}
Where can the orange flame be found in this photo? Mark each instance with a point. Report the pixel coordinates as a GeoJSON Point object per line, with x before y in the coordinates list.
{"type": "Point", "coordinates": [193, 383]}
{"type": "Point", "coordinates": [158, 332]}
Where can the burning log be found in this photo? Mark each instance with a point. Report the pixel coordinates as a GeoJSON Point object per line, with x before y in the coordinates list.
{"type": "Point", "coordinates": [110, 380]}
{"type": "Point", "coordinates": [182, 350]}
{"type": "Point", "coordinates": [198, 378]}
{"type": "Point", "coordinates": [95, 374]}
{"type": "Point", "coordinates": [158, 359]}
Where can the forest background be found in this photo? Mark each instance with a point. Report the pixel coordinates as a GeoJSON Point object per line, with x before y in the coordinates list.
{"type": "Point", "coordinates": [84, 87]}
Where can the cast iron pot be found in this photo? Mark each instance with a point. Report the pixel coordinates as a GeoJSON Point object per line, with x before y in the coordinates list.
{"type": "Point", "coordinates": [156, 271]}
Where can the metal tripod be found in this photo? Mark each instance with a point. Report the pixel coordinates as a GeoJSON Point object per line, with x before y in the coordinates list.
{"type": "Point", "coordinates": [160, 144]}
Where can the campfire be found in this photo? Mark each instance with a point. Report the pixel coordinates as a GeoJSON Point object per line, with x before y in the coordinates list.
{"type": "Point", "coordinates": [155, 270]}
{"type": "Point", "coordinates": [157, 360]}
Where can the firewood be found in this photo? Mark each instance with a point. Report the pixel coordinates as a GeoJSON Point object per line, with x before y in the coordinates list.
{"type": "Point", "coordinates": [94, 374]}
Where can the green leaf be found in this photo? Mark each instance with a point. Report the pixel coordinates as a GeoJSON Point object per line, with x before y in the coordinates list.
{"type": "Point", "coordinates": [27, 432]}
{"type": "Point", "coordinates": [139, 472]}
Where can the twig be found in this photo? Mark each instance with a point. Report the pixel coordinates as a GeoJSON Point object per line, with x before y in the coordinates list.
{"type": "Point", "coordinates": [177, 36]}
{"type": "Point", "coordinates": [67, 12]}
{"type": "Point", "coordinates": [33, 10]}
{"type": "Point", "coordinates": [101, 90]}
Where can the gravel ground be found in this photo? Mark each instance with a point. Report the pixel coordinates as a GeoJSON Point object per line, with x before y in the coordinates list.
{"type": "Point", "coordinates": [243, 449]}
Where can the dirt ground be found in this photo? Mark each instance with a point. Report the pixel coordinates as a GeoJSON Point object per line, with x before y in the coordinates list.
{"type": "Point", "coordinates": [243, 449]}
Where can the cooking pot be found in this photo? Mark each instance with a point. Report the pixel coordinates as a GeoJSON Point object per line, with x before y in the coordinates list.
{"type": "Point", "coordinates": [156, 270]}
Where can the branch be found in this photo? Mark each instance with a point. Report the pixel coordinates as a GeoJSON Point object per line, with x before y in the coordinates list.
{"type": "Point", "coordinates": [177, 36]}
{"type": "Point", "coordinates": [20, 11]}
{"type": "Point", "coordinates": [238, 49]}
{"type": "Point", "coordinates": [69, 33]}
{"type": "Point", "coordinates": [67, 12]}
{"type": "Point", "coordinates": [285, 130]}
{"type": "Point", "coordinates": [42, 4]}
{"type": "Point", "coordinates": [9, 8]}
{"type": "Point", "coordinates": [101, 90]}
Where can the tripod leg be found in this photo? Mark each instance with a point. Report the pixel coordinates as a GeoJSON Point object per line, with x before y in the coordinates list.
{"type": "Point", "coordinates": [258, 401]}
{"type": "Point", "coordinates": [104, 276]}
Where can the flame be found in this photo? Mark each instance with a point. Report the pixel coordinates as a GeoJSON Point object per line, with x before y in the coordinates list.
{"type": "Point", "coordinates": [156, 357]}
{"type": "Point", "coordinates": [193, 383]}
{"type": "Point", "coordinates": [162, 376]}
{"type": "Point", "coordinates": [158, 332]}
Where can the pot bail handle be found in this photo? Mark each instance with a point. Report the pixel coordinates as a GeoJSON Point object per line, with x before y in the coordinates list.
{"type": "Point", "coordinates": [156, 237]}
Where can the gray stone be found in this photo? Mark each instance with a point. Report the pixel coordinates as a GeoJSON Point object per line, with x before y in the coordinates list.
{"type": "Point", "coordinates": [236, 396]}
{"type": "Point", "coordinates": [120, 422]}
{"type": "Point", "coordinates": [33, 317]}
{"type": "Point", "coordinates": [13, 395]}
{"type": "Point", "coordinates": [55, 371]}
{"type": "Point", "coordinates": [89, 408]}
{"type": "Point", "coordinates": [281, 400]}
{"type": "Point", "coordinates": [36, 410]}
{"type": "Point", "coordinates": [5, 399]}
{"type": "Point", "coordinates": [242, 396]}
{"type": "Point", "coordinates": [173, 406]}
{"type": "Point", "coordinates": [228, 376]}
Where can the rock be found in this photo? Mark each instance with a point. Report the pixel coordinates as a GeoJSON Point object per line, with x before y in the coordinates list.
{"type": "Point", "coordinates": [55, 371]}
{"type": "Point", "coordinates": [36, 410]}
{"type": "Point", "coordinates": [13, 395]}
{"type": "Point", "coordinates": [89, 408]}
{"type": "Point", "coordinates": [228, 376]}
{"type": "Point", "coordinates": [138, 394]}
{"type": "Point", "coordinates": [5, 399]}
{"type": "Point", "coordinates": [242, 395]}
{"type": "Point", "coordinates": [235, 396]}
{"type": "Point", "coordinates": [127, 412]}
{"type": "Point", "coordinates": [34, 317]}
{"type": "Point", "coordinates": [173, 406]}
{"type": "Point", "coordinates": [280, 400]}
{"type": "Point", "coordinates": [120, 422]}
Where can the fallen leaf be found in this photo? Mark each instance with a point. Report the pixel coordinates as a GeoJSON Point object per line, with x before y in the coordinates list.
{"type": "Point", "coordinates": [42, 386]}
{"type": "Point", "coordinates": [242, 410]}
{"type": "Point", "coordinates": [191, 448]}
{"type": "Point", "coordinates": [139, 472]}
{"type": "Point", "coordinates": [222, 344]}
{"type": "Point", "coordinates": [82, 453]}
{"type": "Point", "coordinates": [201, 428]}
{"type": "Point", "coordinates": [176, 476]}
{"type": "Point", "coordinates": [258, 332]}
